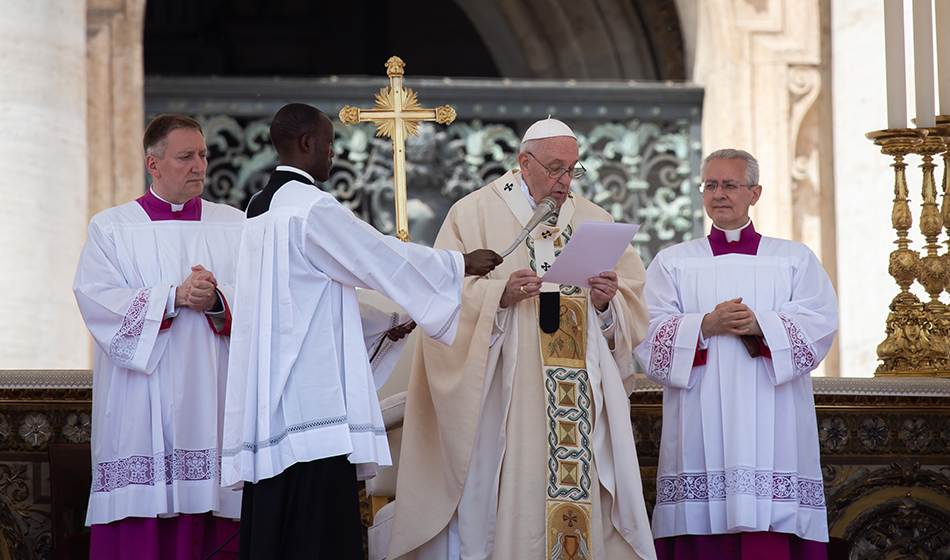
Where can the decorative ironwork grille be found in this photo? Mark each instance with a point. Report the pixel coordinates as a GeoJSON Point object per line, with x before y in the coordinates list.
{"type": "Point", "coordinates": [639, 143]}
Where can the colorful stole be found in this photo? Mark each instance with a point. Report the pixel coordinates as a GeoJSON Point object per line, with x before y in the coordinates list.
{"type": "Point", "coordinates": [567, 389]}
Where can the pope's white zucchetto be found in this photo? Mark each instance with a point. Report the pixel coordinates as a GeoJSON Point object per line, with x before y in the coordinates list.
{"type": "Point", "coordinates": [547, 128]}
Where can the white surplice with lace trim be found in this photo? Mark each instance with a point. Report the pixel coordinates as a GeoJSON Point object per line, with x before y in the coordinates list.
{"type": "Point", "coordinates": [739, 449]}
{"type": "Point", "coordinates": [157, 394]}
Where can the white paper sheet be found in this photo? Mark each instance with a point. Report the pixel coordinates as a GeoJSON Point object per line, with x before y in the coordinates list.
{"type": "Point", "coordinates": [594, 248]}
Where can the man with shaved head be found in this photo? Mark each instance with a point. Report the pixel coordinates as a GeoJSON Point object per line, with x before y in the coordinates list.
{"type": "Point", "coordinates": [302, 420]}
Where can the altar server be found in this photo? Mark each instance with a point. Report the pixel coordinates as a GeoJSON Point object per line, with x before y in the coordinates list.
{"type": "Point", "coordinates": [154, 288]}
{"type": "Point", "coordinates": [302, 419]}
{"type": "Point", "coordinates": [737, 323]}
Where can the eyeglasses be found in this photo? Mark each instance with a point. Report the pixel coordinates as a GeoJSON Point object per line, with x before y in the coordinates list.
{"type": "Point", "coordinates": [727, 187]}
{"type": "Point", "coordinates": [558, 173]}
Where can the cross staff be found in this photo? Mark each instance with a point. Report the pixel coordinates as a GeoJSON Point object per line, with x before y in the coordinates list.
{"type": "Point", "coordinates": [396, 115]}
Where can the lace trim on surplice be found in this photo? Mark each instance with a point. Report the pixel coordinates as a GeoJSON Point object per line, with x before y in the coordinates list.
{"type": "Point", "coordinates": [661, 356]}
{"type": "Point", "coordinates": [181, 465]}
{"type": "Point", "coordinates": [719, 485]}
{"type": "Point", "coordinates": [123, 345]}
{"type": "Point", "coordinates": [803, 355]}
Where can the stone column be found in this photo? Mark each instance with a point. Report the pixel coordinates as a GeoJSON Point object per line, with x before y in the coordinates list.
{"type": "Point", "coordinates": [115, 75]}
{"type": "Point", "coordinates": [43, 182]}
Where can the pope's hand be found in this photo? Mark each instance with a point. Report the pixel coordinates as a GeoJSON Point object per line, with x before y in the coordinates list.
{"type": "Point", "coordinates": [522, 284]}
{"type": "Point", "coordinates": [481, 261]}
{"type": "Point", "coordinates": [603, 288]}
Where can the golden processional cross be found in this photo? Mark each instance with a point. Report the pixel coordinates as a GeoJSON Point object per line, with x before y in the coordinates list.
{"type": "Point", "coordinates": [396, 115]}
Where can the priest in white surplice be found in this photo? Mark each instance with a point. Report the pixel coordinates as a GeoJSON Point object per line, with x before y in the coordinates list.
{"type": "Point", "coordinates": [737, 323]}
{"type": "Point", "coordinates": [517, 442]}
{"type": "Point", "coordinates": [302, 419]}
{"type": "Point", "coordinates": [154, 288]}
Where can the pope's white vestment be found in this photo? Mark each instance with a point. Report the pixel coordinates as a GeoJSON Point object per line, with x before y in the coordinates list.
{"type": "Point", "coordinates": [739, 449]}
{"type": "Point", "coordinates": [300, 384]}
{"type": "Point", "coordinates": [473, 473]}
{"type": "Point", "coordinates": [157, 393]}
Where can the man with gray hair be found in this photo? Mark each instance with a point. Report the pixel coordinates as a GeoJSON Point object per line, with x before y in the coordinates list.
{"type": "Point", "coordinates": [517, 440]}
{"type": "Point", "coordinates": [737, 323]}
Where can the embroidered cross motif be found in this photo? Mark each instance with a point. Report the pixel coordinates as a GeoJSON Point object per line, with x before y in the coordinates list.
{"type": "Point", "coordinates": [545, 266]}
{"type": "Point", "coordinates": [547, 234]}
{"type": "Point", "coordinates": [509, 186]}
{"type": "Point", "coordinates": [570, 518]}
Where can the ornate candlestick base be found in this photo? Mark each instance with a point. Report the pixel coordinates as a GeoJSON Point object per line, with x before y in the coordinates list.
{"type": "Point", "coordinates": [908, 348]}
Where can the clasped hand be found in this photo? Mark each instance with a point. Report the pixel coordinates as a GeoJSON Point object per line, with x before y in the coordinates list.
{"type": "Point", "coordinates": [731, 317]}
{"type": "Point", "coordinates": [198, 291]}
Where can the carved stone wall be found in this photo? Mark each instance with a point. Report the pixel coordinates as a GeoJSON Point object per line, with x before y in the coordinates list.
{"type": "Point", "coordinates": [37, 408]}
{"type": "Point", "coordinates": [900, 510]}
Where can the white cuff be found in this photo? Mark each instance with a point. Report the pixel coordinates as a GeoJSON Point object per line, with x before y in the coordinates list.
{"type": "Point", "coordinates": [702, 343]}
{"type": "Point", "coordinates": [224, 308]}
{"type": "Point", "coordinates": [170, 309]}
{"type": "Point", "coordinates": [606, 317]}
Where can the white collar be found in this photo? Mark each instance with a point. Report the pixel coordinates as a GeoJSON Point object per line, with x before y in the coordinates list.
{"type": "Point", "coordinates": [175, 207]}
{"type": "Point", "coordinates": [733, 235]}
{"type": "Point", "coordinates": [293, 169]}
{"type": "Point", "coordinates": [527, 193]}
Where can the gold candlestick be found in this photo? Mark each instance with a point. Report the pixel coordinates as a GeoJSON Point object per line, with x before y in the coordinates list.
{"type": "Point", "coordinates": [943, 130]}
{"type": "Point", "coordinates": [932, 269]}
{"type": "Point", "coordinates": [898, 142]}
{"type": "Point", "coordinates": [908, 324]}
{"type": "Point", "coordinates": [938, 141]}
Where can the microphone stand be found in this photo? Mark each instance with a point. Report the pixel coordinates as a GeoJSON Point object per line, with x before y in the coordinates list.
{"type": "Point", "coordinates": [546, 207]}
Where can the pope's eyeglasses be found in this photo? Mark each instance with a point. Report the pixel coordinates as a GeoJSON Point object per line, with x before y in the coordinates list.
{"type": "Point", "coordinates": [558, 173]}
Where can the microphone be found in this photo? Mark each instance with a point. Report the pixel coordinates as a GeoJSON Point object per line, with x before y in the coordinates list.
{"type": "Point", "coordinates": [546, 207]}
